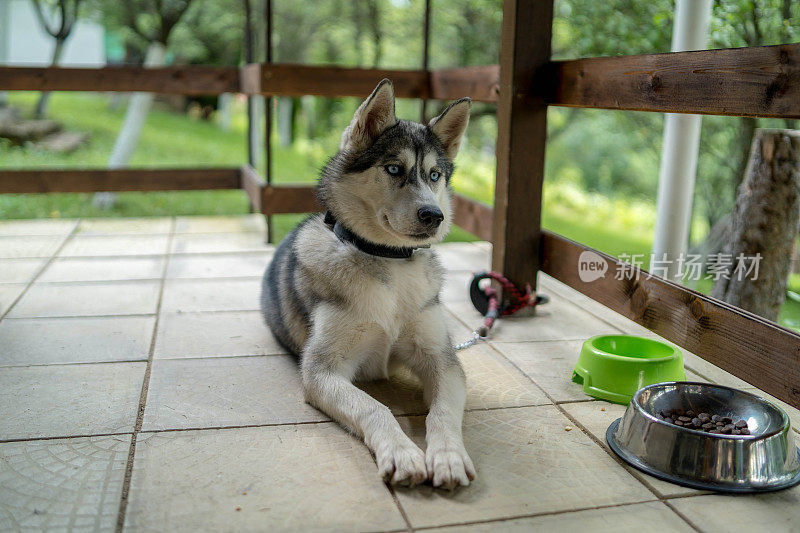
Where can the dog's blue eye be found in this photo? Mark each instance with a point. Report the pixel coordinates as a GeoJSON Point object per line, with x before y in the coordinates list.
{"type": "Point", "coordinates": [394, 170]}
{"type": "Point", "coordinates": [434, 176]}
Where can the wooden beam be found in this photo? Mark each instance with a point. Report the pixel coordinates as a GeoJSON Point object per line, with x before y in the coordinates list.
{"type": "Point", "coordinates": [250, 78]}
{"type": "Point", "coordinates": [165, 80]}
{"type": "Point", "coordinates": [94, 180]}
{"type": "Point", "coordinates": [253, 184]}
{"type": "Point", "coordinates": [482, 84]}
{"type": "Point", "coordinates": [289, 199]}
{"type": "Point", "coordinates": [473, 216]}
{"type": "Point", "coordinates": [759, 82]}
{"type": "Point", "coordinates": [758, 351]}
{"type": "Point", "coordinates": [521, 139]}
{"type": "Point", "coordinates": [297, 80]}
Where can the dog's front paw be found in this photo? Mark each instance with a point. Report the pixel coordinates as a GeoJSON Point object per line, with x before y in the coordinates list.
{"type": "Point", "coordinates": [401, 463]}
{"type": "Point", "coordinates": [449, 467]}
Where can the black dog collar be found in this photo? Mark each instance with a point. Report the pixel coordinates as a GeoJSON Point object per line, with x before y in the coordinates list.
{"type": "Point", "coordinates": [371, 248]}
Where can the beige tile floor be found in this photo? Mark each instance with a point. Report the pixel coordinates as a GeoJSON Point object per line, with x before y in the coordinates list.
{"type": "Point", "coordinates": [140, 390]}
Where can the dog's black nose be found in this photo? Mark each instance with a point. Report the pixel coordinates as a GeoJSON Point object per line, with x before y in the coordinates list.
{"type": "Point", "coordinates": [430, 215]}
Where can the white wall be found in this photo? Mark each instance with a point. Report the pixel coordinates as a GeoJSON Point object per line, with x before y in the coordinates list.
{"type": "Point", "coordinates": [29, 44]}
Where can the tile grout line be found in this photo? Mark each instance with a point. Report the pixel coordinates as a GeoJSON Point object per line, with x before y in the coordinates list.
{"type": "Point", "coordinates": [595, 315]}
{"type": "Point", "coordinates": [534, 515]}
{"type": "Point", "coordinates": [567, 402]}
{"type": "Point", "coordinates": [131, 315]}
{"type": "Point", "coordinates": [176, 358]}
{"type": "Point", "coordinates": [397, 503]}
{"type": "Point", "coordinates": [240, 426]}
{"type": "Point", "coordinates": [168, 430]}
{"type": "Point", "coordinates": [44, 267]}
{"type": "Point", "coordinates": [137, 280]}
{"type": "Point", "coordinates": [147, 255]}
{"type": "Point", "coordinates": [246, 426]}
{"type": "Point", "coordinates": [62, 437]}
{"type": "Point", "coordinates": [668, 503]}
{"type": "Point", "coordinates": [588, 433]}
{"type": "Point", "coordinates": [74, 363]}
{"type": "Point", "coordinates": [126, 483]}
{"type": "Point", "coordinates": [78, 317]}
{"type": "Point", "coordinates": [143, 255]}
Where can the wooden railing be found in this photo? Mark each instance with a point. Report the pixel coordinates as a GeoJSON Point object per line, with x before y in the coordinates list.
{"type": "Point", "coordinates": [760, 82]}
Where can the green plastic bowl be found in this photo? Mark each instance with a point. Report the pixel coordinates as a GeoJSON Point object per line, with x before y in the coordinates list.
{"type": "Point", "coordinates": [614, 367]}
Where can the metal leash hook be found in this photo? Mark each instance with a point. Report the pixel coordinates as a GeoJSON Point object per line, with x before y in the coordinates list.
{"type": "Point", "coordinates": [472, 341]}
{"type": "Point", "coordinates": [487, 302]}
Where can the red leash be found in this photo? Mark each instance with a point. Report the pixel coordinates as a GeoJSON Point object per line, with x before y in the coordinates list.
{"type": "Point", "coordinates": [486, 300]}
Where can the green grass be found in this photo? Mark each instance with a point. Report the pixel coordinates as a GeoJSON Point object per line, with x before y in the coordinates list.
{"type": "Point", "coordinates": [607, 239]}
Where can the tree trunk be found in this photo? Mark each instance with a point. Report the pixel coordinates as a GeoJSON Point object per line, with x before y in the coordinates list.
{"type": "Point", "coordinates": [718, 236]}
{"type": "Point", "coordinates": [256, 114]}
{"type": "Point", "coordinates": [765, 221]}
{"type": "Point", "coordinates": [286, 120]}
{"type": "Point", "coordinates": [225, 111]}
{"type": "Point", "coordinates": [138, 107]}
{"type": "Point", "coordinates": [375, 27]}
{"type": "Point", "coordinates": [44, 99]}
{"type": "Point", "coordinates": [131, 129]}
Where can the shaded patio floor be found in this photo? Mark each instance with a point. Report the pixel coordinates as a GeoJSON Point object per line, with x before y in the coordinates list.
{"type": "Point", "coordinates": [136, 376]}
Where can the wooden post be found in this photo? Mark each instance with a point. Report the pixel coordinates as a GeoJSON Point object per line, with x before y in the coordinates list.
{"type": "Point", "coordinates": [521, 139]}
{"type": "Point", "coordinates": [248, 58]}
{"type": "Point", "coordinates": [268, 114]}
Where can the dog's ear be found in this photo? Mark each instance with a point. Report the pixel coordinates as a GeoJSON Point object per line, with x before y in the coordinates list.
{"type": "Point", "coordinates": [372, 118]}
{"type": "Point", "coordinates": [450, 126]}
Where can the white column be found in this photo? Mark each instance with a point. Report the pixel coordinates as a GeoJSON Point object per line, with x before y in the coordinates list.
{"type": "Point", "coordinates": [5, 41]}
{"type": "Point", "coordinates": [680, 147]}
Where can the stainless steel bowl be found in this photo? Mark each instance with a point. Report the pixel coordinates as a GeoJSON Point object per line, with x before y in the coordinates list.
{"type": "Point", "coordinates": [765, 460]}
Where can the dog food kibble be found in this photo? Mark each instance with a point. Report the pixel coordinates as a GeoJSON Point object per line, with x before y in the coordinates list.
{"type": "Point", "coordinates": [719, 425]}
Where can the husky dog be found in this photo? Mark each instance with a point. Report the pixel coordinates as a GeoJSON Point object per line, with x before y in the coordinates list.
{"type": "Point", "coordinates": [355, 293]}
